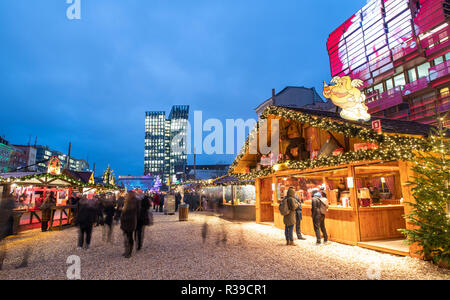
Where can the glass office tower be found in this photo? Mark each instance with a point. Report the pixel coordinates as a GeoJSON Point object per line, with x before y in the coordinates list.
{"type": "Point", "coordinates": [165, 143]}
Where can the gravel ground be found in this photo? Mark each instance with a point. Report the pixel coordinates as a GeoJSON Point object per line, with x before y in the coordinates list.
{"type": "Point", "coordinates": [175, 250]}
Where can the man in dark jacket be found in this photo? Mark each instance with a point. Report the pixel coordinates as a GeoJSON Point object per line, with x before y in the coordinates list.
{"type": "Point", "coordinates": [46, 210]}
{"type": "Point", "coordinates": [142, 221]}
{"type": "Point", "coordinates": [289, 219]}
{"type": "Point", "coordinates": [177, 200]}
{"type": "Point", "coordinates": [87, 213]}
{"type": "Point", "coordinates": [128, 222]}
{"type": "Point", "coordinates": [6, 218]}
{"type": "Point", "coordinates": [298, 219]}
{"type": "Point", "coordinates": [319, 217]}
{"type": "Point", "coordinates": [108, 211]}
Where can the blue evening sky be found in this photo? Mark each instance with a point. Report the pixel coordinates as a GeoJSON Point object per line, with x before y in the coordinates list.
{"type": "Point", "coordinates": [90, 81]}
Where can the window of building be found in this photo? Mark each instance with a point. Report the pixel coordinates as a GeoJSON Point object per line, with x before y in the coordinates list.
{"type": "Point", "coordinates": [412, 75]}
{"type": "Point", "coordinates": [379, 87]}
{"type": "Point", "coordinates": [389, 84]}
{"type": "Point", "coordinates": [444, 92]}
{"type": "Point", "coordinates": [399, 80]}
{"type": "Point", "coordinates": [423, 70]}
{"type": "Point", "coordinates": [438, 60]}
{"type": "Point", "coordinates": [447, 56]}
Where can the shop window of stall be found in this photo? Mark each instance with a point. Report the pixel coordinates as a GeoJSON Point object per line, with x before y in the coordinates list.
{"type": "Point", "coordinates": [380, 202]}
{"type": "Point", "coordinates": [228, 195]}
{"type": "Point", "coordinates": [245, 195]}
{"type": "Point", "coordinates": [332, 183]}
{"type": "Point", "coordinates": [378, 185]}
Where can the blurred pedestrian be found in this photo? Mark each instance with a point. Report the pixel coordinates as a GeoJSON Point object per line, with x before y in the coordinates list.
{"type": "Point", "coordinates": [128, 222]}
{"type": "Point", "coordinates": [162, 198]}
{"type": "Point", "coordinates": [46, 210]}
{"type": "Point", "coordinates": [155, 202]}
{"type": "Point", "coordinates": [108, 211]}
{"type": "Point", "coordinates": [177, 200]}
{"type": "Point", "coordinates": [204, 203]}
{"type": "Point", "coordinates": [119, 207]}
{"type": "Point", "coordinates": [142, 221]}
{"type": "Point", "coordinates": [99, 199]}
{"type": "Point", "coordinates": [6, 219]}
{"type": "Point", "coordinates": [87, 213]}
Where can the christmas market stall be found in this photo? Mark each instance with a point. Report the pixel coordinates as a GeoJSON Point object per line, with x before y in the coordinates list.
{"type": "Point", "coordinates": [364, 172]}
{"type": "Point", "coordinates": [236, 198]}
{"type": "Point", "coordinates": [29, 189]}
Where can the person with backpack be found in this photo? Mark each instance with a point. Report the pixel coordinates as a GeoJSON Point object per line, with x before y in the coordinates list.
{"type": "Point", "coordinates": [288, 207]}
{"type": "Point", "coordinates": [319, 209]}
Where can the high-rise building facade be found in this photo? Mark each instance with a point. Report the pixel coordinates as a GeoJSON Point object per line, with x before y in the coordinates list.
{"type": "Point", "coordinates": [43, 153]}
{"type": "Point", "coordinates": [166, 143]}
{"type": "Point", "coordinates": [400, 49]}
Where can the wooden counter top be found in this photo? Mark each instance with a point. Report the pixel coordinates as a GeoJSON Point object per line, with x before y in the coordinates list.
{"type": "Point", "coordinates": [333, 207]}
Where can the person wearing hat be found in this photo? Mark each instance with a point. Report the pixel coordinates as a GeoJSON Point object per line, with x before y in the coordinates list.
{"type": "Point", "coordinates": [290, 219]}
{"type": "Point", "coordinates": [319, 207]}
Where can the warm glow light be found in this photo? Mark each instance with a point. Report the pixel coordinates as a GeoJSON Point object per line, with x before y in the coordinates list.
{"type": "Point", "coordinates": [350, 182]}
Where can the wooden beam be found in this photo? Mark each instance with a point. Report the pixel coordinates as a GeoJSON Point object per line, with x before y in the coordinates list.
{"type": "Point", "coordinates": [355, 204]}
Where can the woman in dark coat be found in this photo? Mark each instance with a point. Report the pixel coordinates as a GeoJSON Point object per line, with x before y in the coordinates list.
{"type": "Point", "coordinates": [108, 211]}
{"type": "Point", "coordinates": [142, 221]}
{"type": "Point", "coordinates": [128, 222]}
{"type": "Point", "coordinates": [46, 209]}
{"type": "Point", "coordinates": [290, 219]}
{"type": "Point", "coordinates": [87, 213]}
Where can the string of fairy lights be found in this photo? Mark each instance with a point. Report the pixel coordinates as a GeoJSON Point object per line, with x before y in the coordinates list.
{"type": "Point", "coordinates": [391, 147]}
{"type": "Point", "coordinates": [47, 176]}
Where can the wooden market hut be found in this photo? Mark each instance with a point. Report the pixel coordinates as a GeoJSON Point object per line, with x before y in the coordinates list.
{"type": "Point", "coordinates": [238, 198]}
{"type": "Point", "coordinates": [31, 188]}
{"type": "Point", "coordinates": [365, 173]}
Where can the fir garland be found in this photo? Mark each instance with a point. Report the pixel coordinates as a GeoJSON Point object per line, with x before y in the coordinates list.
{"type": "Point", "coordinates": [391, 146]}
{"type": "Point", "coordinates": [66, 178]}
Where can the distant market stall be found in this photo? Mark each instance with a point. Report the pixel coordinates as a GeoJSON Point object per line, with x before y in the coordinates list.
{"type": "Point", "coordinates": [29, 189]}
{"type": "Point", "coordinates": [237, 197]}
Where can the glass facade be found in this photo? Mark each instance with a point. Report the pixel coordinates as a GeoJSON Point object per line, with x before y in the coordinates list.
{"type": "Point", "coordinates": [43, 153]}
{"type": "Point", "coordinates": [399, 49]}
{"type": "Point", "coordinates": [165, 143]}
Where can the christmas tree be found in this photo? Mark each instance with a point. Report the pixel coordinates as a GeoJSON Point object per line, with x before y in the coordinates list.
{"type": "Point", "coordinates": [430, 213]}
{"type": "Point", "coordinates": [108, 176]}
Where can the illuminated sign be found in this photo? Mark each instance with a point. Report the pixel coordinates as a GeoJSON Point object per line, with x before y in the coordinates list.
{"type": "Point", "coordinates": [345, 94]}
{"type": "Point", "coordinates": [376, 125]}
{"type": "Point", "coordinates": [54, 166]}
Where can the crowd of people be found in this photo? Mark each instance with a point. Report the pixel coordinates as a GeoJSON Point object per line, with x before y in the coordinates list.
{"type": "Point", "coordinates": [132, 210]}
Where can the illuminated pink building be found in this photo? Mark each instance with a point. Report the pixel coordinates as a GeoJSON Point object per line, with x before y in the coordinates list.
{"type": "Point", "coordinates": [400, 49]}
